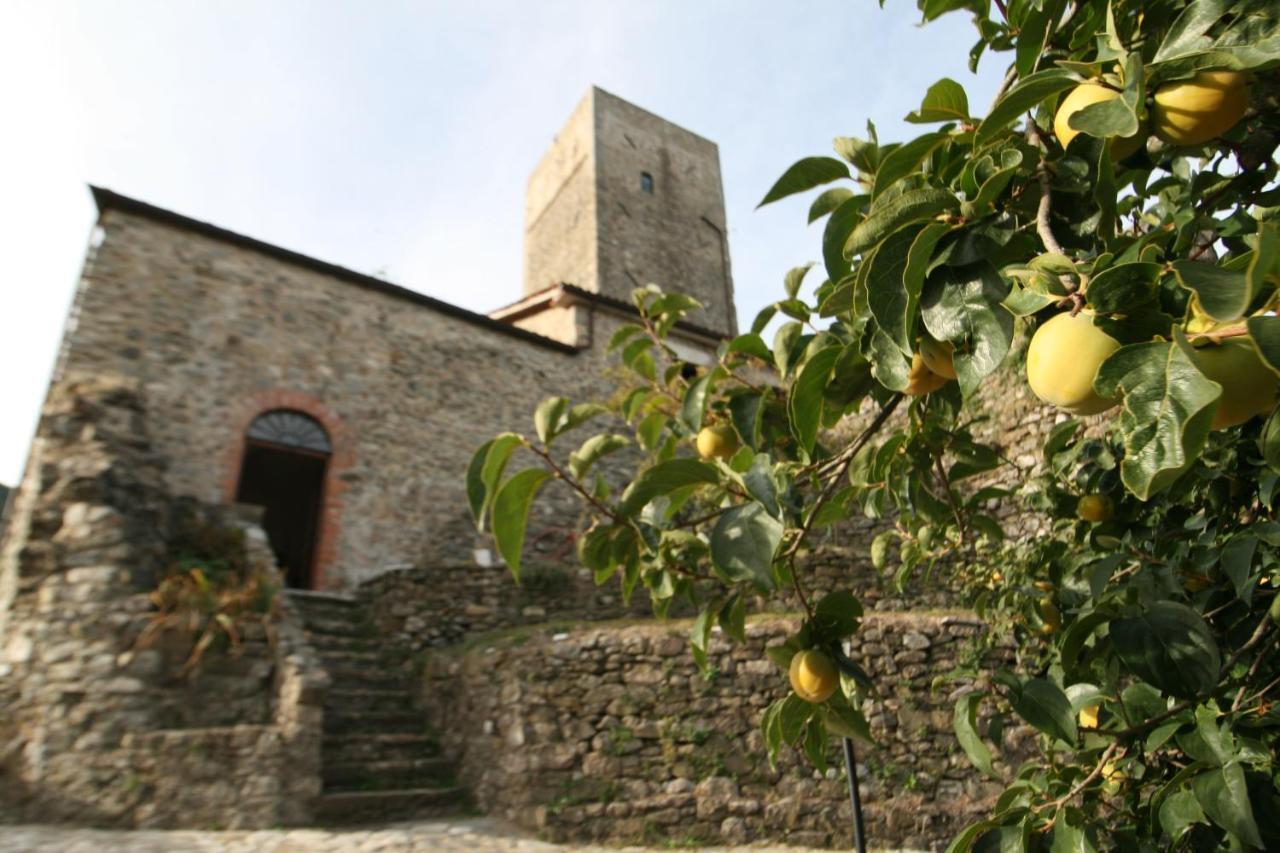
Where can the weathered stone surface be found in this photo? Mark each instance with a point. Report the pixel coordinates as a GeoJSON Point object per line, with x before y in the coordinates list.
{"type": "Point", "coordinates": [598, 706]}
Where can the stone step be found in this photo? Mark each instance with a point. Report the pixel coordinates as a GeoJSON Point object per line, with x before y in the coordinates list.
{"type": "Point", "coordinates": [378, 746]}
{"type": "Point", "coordinates": [346, 678]}
{"type": "Point", "coordinates": [372, 722]}
{"type": "Point", "coordinates": [323, 603]}
{"type": "Point", "coordinates": [364, 699]}
{"type": "Point", "coordinates": [384, 806]}
{"type": "Point", "coordinates": [339, 627]}
{"type": "Point", "coordinates": [325, 644]}
{"type": "Point", "coordinates": [387, 775]}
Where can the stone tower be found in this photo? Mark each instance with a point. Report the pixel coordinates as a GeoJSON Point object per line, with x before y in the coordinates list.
{"type": "Point", "coordinates": [624, 198]}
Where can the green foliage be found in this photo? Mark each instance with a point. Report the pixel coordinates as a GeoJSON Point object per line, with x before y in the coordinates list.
{"type": "Point", "coordinates": [1144, 642]}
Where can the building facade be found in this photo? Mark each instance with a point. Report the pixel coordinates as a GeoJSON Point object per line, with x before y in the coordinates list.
{"type": "Point", "coordinates": [349, 407]}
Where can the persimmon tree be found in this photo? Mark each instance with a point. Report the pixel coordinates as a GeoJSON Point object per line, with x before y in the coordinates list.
{"type": "Point", "coordinates": [1122, 184]}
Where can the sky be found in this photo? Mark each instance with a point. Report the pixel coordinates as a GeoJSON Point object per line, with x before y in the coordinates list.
{"type": "Point", "coordinates": [395, 137]}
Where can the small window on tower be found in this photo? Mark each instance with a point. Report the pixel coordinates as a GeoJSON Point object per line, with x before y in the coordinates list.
{"type": "Point", "coordinates": [646, 182]}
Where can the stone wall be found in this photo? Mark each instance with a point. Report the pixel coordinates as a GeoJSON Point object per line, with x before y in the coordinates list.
{"type": "Point", "coordinates": [416, 609]}
{"type": "Point", "coordinates": [218, 332]}
{"type": "Point", "coordinates": [95, 724]}
{"type": "Point", "coordinates": [611, 734]}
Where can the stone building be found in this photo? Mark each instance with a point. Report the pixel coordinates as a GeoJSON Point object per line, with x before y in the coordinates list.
{"type": "Point", "coordinates": [349, 406]}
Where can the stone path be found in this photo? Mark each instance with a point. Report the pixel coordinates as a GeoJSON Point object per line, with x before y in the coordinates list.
{"type": "Point", "coordinates": [455, 834]}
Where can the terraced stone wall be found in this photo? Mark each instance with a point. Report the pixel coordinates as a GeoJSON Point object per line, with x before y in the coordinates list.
{"type": "Point", "coordinates": [611, 734]}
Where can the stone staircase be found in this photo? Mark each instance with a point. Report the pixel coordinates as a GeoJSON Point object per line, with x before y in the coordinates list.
{"type": "Point", "coordinates": [379, 761]}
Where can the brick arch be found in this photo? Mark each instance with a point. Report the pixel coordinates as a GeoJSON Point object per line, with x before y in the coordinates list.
{"type": "Point", "coordinates": [340, 461]}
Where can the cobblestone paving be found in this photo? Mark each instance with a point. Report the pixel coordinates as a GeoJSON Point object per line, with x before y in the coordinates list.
{"type": "Point", "coordinates": [480, 834]}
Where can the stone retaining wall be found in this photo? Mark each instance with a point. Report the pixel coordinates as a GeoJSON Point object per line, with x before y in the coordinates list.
{"type": "Point", "coordinates": [95, 728]}
{"type": "Point", "coordinates": [611, 734]}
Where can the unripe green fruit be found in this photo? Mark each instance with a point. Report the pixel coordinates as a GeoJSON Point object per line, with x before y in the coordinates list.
{"type": "Point", "coordinates": [1274, 610]}
{"type": "Point", "coordinates": [1062, 360]}
{"type": "Point", "coordinates": [1095, 508]}
{"type": "Point", "coordinates": [1248, 385]}
{"type": "Point", "coordinates": [1084, 95]}
{"type": "Point", "coordinates": [717, 442]}
{"type": "Point", "coordinates": [813, 676]}
{"type": "Point", "coordinates": [1190, 112]}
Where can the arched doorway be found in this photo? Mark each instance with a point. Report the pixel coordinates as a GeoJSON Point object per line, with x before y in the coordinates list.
{"type": "Point", "coordinates": [285, 456]}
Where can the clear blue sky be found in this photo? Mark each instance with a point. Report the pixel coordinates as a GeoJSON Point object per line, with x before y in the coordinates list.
{"type": "Point", "coordinates": [395, 137]}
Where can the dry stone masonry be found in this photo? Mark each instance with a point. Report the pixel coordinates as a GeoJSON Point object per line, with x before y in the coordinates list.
{"type": "Point", "coordinates": [612, 735]}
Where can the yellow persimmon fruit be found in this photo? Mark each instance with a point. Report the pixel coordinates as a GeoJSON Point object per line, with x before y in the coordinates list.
{"type": "Point", "coordinates": [813, 676]}
{"type": "Point", "coordinates": [1062, 360]}
{"type": "Point", "coordinates": [1051, 615]}
{"type": "Point", "coordinates": [1084, 95]}
{"type": "Point", "coordinates": [1189, 112]}
{"type": "Point", "coordinates": [921, 380]}
{"type": "Point", "coordinates": [1248, 385]}
{"type": "Point", "coordinates": [937, 357]}
{"type": "Point", "coordinates": [1095, 508]}
{"type": "Point", "coordinates": [717, 442]}
{"type": "Point", "coordinates": [1089, 717]}
{"type": "Point", "coordinates": [1112, 777]}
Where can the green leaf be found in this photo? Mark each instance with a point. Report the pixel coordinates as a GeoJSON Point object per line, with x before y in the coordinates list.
{"type": "Point", "coordinates": [1117, 117]}
{"type": "Point", "coordinates": [592, 450]}
{"type": "Point", "coordinates": [1189, 29]}
{"type": "Point", "coordinates": [815, 742]}
{"type": "Point", "coordinates": [804, 407]}
{"type": "Point", "coordinates": [1170, 647]}
{"type": "Point", "coordinates": [511, 512]}
{"type": "Point", "coordinates": [1265, 332]}
{"type": "Point", "coordinates": [1043, 704]}
{"type": "Point", "coordinates": [747, 412]}
{"type": "Point", "coordinates": [760, 484]}
{"type": "Point", "coordinates": [1223, 294]}
{"type": "Point", "coordinates": [694, 405]}
{"type": "Point", "coordinates": [1223, 795]}
{"type": "Point", "coordinates": [792, 716]}
{"type": "Point", "coordinates": [944, 101]}
{"type": "Point", "coordinates": [1123, 287]}
{"type": "Point", "coordinates": [1179, 812]}
{"type": "Point", "coordinates": [751, 344]}
{"type": "Point", "coordinates": [743, 543]}
{"type": "Point", "coordinates": [966, 726]}
{"type": "Point", "coordinates": [1237, 564]}
{"type": "Point", "coordinates": [664, 478]}
{"type": "Point", "coordinates": [836, 616]}
{"type": "Point", "coordinates": [847, 721]}
{"type": "Point", "coordinates": [892, 304]}
{"type": "Point", "coordinates": [625, 333]}
{"type": "Point", "coordinates": [649, 430]}
{"type": "Point", "coordinates": [1069, 836]}
{"type": "Point", "coordinates": [547, 416]}
{"type": "Point", "coordinates": [485, 471]}
{"type": "Point", "coordinates": [771, 728]}
{"type": "Point", "coordinates": [805, 175]}
{"type": "Point", "coordinates": [1021, 98]}
{"type": "Point", "coordinates": [888, 217]}
{"type": "Point", "coordinates": [700, 634]}
{"type": "Point", "coordinates": [579, 415]}
{"type": "Point", "coordinates": [1269, 441]}
{"type": "Point", "coordinates": [841, 224]}
{"type": "Point", "coordinates": [827, 202]}
{"type": "Point", "coordinates": [904, 160]}
{"type": "Point", "coordinates": [733, 618]}
{"type": "Point", "coordinates": [795, 277]}
{"type": "Point", "coordinates": [964, 305]}
{"type": "Point", "coordinates": [1168, 405]}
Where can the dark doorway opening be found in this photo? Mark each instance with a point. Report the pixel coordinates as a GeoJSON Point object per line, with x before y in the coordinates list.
{"type": "Point", "coordinates": [285, 457]}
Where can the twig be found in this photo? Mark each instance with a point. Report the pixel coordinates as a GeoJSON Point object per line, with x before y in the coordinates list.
{"type": "Point", "coordinates": [1253, 670]}
{"type": "Point", "coordinates": [1079, 786]}
{"type": "Point", "coordinates": [1009, 76]}
{"type": "Point", "coordinates": [574, 484]}
{"type": "Point", "coordinates": [848, 455]}
{"type": "Point", "coordinates": [946, 487]}
{"type": "Point", "coordinates": [1044, 211]}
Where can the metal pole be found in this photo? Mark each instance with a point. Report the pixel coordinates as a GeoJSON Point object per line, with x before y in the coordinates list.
{"type": "Point", "coordinates": [851, 771]}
